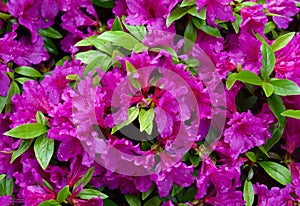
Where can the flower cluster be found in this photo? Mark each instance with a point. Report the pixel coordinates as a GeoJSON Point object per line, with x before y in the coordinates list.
{"type": "Point", "coordinates": [149, 102]}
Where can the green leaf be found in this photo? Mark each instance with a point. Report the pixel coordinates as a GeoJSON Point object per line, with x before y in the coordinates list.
{"type": "Point", "coordinates": [146, 120]}
{"type": "Point", "coordinates": [231, 80]}
{"type": "Point", "coordinates": [251, 156]}
{"type": "Point", "coordinates": [63, 60]}
{"type": "Point", "coordinates": [63, 194]}
{"type": "Point", "coordinates": [132, 115]}
{"type": "Point", "coordinates": [282, 41]}
{"type": "Point", "coordinates": [88, 56]}
{"type": "Point", "coordinates": [3, 101]}
{"type": "Point", "coordinates": [27, 131]}
{"type": "Point", "coordinates": [50, 46]}
{"type": "Point", "coordinates": [108, 202]}
{"type": "Point", "coordinates": [138, 32]}
{"type": "Point", "coordinates": [47, 184]}
{"type": "Point", "coordinates": [177, 13]}
{"type": "Point", "coordinates": [49, 203]}
{"type": "Point", "coordinates": [4, 16]}
{"type": "Point", "coordinates": [176, 189]}
{"type": "Point", "coordinates": [40, 118]}
{"type": "Point", "coordinates": [195, 160]}
{"type": "Point", "coordinates": [248, 77]}
{"type": "Point", "coordinates": [43, 150]}
{"type": "Point", "coordinates": [237, 23]}
{"type": "Point", "coordinates": [185, 3]}
{"type": "Point", "coordinates": [133, 200]}
{"type": "Point", "coordinates": [248, 193]}
{"type": "Point", "coordinates": [154, 201]}
{"type": "Point", "coordinates": [269, 27]}
{"type": "Point", "coordinates": [278, 172]}
{"type": "Point", "coordinates": [291, 113]}
{"type": "Point", "coordinates": [86, 178]}
{"type": "Point", "coordinates": [146, 194]}
{"type": "Point", "coordinates": [190, 36]}
{"type": "Point", "coordinates": [277, 107]}
{"type": "Point", "coordinates": [131, 69]}
{"type": "Point", "coordinates": [268, 89]}
{"type": "Point", "coordinates": [189, 194]}
{"type": "Point", "coordinates": [2, 176]}
{"type": "Point", "coordinates": [117, 25]}
{"type": "Point", "coordinates": [24, 146]}
{"type": "Point", "coordinates": [88, 194]}
{"type": "Point", "coordinates": [120, 38]}
{"type": "Point", "coordinates": [22, 80]}
{"type": "Point", "coordinates": [28, 71]}
{"type": "Point", "coordinates": [285, 87]}
{"type": "Point", "coordinates": [201, 24]}
{"type": "Point", "coordinates": [167, 49]}
{"type": "Point", "coordinates": [260, 38]}
{"type": "Point", "coordinates": [51, 33]}
{"type": "Point", "coordinates": [13, 89]}
{"type": "Point", "coordinates": [199, 14]}
{"type": "Point", "coordinates": [268, 61]}
{"type": "Point", "coordinates": [103, 62]}
{"type": "Point", "coordinates": [109, 4]}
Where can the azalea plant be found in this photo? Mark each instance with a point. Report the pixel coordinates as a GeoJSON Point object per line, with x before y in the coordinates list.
{"type": "Point", "coordinates": [149, 102]}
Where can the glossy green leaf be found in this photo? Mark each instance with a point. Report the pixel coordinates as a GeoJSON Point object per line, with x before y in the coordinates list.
{"type": "Point", "coordinates": [51, 33]}
{"type": "Point", "coordinates": [27, 131]}
{"type": "Point", "coordinates": [88, 194]}
{"type": "Point", "coordinates": [231, 80]}
{"type": "Point", "coordinates": [268, 89]}
{"type": "Point", "coordinates": [133, 200]}
{"type": "Point", "coordinates": [248, 193]}
{"type": "Point", "coordinates": [40, 118]}
{"type": "Point", "coordinates": [86, 178]}
{"type": "Point", "coordinates": [24, 146]}
{"type": "Point", "coordinates": [291, 113]}
{"type": "Point", "coordinates": [138, 32]}
{"type": "Point", "coordinates": [146, 194]}
{"type": "Point", "coordinates": [49, 203]}
{"type": "Point", "coordinates": [22, 80]}
{"type": "Point", "coordinates": [269, 27]}
{"type": "Point", "coordinates": [190, 36]}
{"type": "Point", "coordinates": [251, 156]}
{"type": "Point", "coordinates": [278, 172]}
{"type": "Point", "coordinates": [246, 76]}
{"type": "Point", "coordinates": [185, 3]}
{"type": "Point", "coordinates": [237, 23]}
{"type": "Point", "coordinates": [3, 101]}
{"type": "Point", "coordinates": [13, 89]}
{"type": "Point", "coordinates": [285, 87]}
{"type": "Point", "coordinates": [282, 41]}
{"type": "Point", "coordinates": [2, 176]}
{"type": "Point", "coordinates": [132, 115]}
{"type": "Point", "coordinates": [43, 150]}
{"type": "Point", "coordinates": [50, 46]}
{"type": "Point", "coordinates": [103, 62]}
{"type": "Point", "coordinates": [28, 71]}
{"type": "Point", "coordinates": [201, 14]}
{"type": "Point", "coordinates": [176, 189]}
{"type": "Point", "coordinates": [63, 194]}
{"type": "Point", "coordinates": [176, 14]}
{"type": "Point", "coordinates": [154, 201]}
{"type": "Point", "coordinates": [268, 61]}
{"type": "Point", "coordinates": [88, 56]}
{"type": "Point", "coordinates": [277, 107]}
{"type": "Point", "coordinates": [201, 24]}
{"type": "Point", "coordinates": [104, 3]}
{"type": "Point", "coordinates": [146, 120]}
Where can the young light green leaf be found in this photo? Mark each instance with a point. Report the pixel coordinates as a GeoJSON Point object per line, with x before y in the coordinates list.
{"type": "Point", "coordinates": [278, 172]}
{"type": "Point", "coordinates": [2, 176]}
{"type": "Point", "coordinates": [132, 115]}
{"type": "Point", "coordinates": [28, 71]}
{"type": "Point", "coordinates": [43, 150]}
{"type": "Point", "coordinates": [40, 118]}
{"type": "Point", "coordinates": [22, 80]}
{"type": "Point", "coordinates": [138, 32]}
{"type": "Point", "coordinates": [251, 156]}
{"type": "Point", "coordinates": [24, 146]}
{"type": "Point", "coordinates": [268, 89]}
{"type": "Point", "coordinates": [154, 201]}
{"type": "Point", "coordinates": [268, 61]}
{"type": "Point", "coordinates": [27, 131]}
{"type": "Point", "coordinates": [282, 41]}
{"type": "Point", "coordinates": [285, 87]}
{"type": "Point", "coordinates": [51, 33]}
{"type": "Point", "coordinates": [88, 56]}
{"type": "Point", "coordinates": [246, 76]}
{"type": "Point", "coordinates": [248, 193]}
{"type": "Point", "coordinates": [177, 13]}
{"type": "Point", "coordinates": [117, 25]}
{"type": "Point", "coordinates": [63, 194]}
{"type": "Point", "coordinates": [231, 80]}
{"type": "Point", "coordinates": [269, 27]}
{"type": "Point", "coordinates": [88, 194]}
{"type": "Point", "coordinates": [103, 62]}
{"type": "Point", "coordinates": [146, 120]}
{"type": "Point", "coordinates": [185, 3]}
{"type": "Point", "coordinates": [86, 178]}
{"type": "Point", "coordinates": [291, 113]}
{"type": "Point", "coordinates": [199, 14]}
{"type": "Point", "coordinates": [133, 200]}
{"type": "Point", "coordinates": [49, 203]}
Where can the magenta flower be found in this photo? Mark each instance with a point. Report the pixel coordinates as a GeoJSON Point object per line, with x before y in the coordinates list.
{"type": "Point", "coordinates": [216, 9]}
{"type": "Point", "coordinates": [5, 200]}
{"type": "Point", "coordinates": [5, 83]}
{"type": "Point", "coordinates": [34, 14]}
{"type": "Point", "coordinates": [285, 9]}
